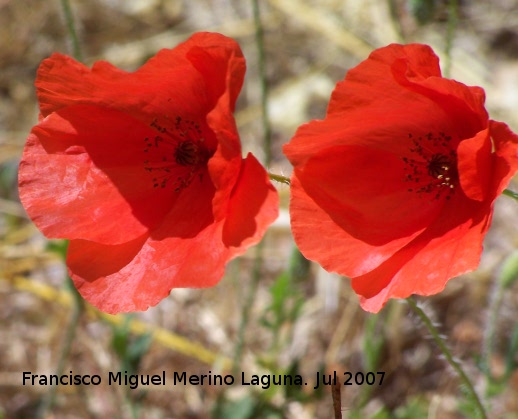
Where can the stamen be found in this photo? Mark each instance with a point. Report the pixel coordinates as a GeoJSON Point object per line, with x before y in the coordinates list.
{"type": "Point", "coordinates": [186, 154]}
{"type": "Point", "coordinates": [176, 156]}
{"type": "Point", "coordinates": [433, 170]}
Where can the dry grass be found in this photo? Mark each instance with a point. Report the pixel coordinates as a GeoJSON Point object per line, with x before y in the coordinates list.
{"type": "Point", "coordinates": [309, 45]}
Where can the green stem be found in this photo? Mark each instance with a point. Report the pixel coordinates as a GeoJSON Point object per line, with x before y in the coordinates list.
{"type": "Point", "coordinates": [259, 39]}
{"type": "Point", "coordinates": [396, 21]}
{"type": "Point", "coordinates": [72, 32]}
{"type": "Point", "coordinates": [471, 394]}
{"type": "Point", "coordinates": [450, 34]}
{"type": "Point", "coordinates": [495, 302]}
{"type": "Point", "coordinates": [77, 303]}
{"type": "Point", "coordinates": [279, 178]}
{"type": "Point", "coordinates": [508, 275]}
{"type": "Point", "coordinates": [256, 275]}
{"type": "Point", "coordinates": [70, 334]}
{"type": "Point", "coordinates": [246, 309]}
{"type": "Point", "coordinates": [510, 193]}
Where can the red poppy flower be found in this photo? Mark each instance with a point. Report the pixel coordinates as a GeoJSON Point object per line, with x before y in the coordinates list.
{"type": "Point", "coordinates": [395, 188]}
{"type": "Point", "coordinates": [143, 172]}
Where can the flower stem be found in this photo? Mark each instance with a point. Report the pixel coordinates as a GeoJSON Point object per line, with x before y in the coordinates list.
{"type": "Point", "coordinates": [495, 301]}
{"type": "Point", "coordinates": [279, 178]}
{"type": "Point", "coordinates": [510, 193]}
{"type": "Point", "coordinates": [396, 21]}
{"type": "Point", "coordinates": [470, 391]}
{"type": "Point", "coordinates": [450, 34]}
{"type": "Point", "coordinates": [72, 32]}
{"type": "Point", "coordinates": [77, 304]}
{"type": "Point", "coordinates": [259, 39]}
{"type": "Point", "coordinates": [246, 308]}
{"type": "Point", "coordinates": [256, 274]}
{"type": "Point", "coordinates": [70, 334]}
{"type": "Point", "coordinates": [505, 280]}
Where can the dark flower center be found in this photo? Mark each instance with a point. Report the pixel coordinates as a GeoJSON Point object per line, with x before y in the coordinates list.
{"type": "Point", "coordinates": [176, 156]}
{"type": "Point", "coordinates": [186, 154]}
{"type": "Point", "coordinates": [432, 167]}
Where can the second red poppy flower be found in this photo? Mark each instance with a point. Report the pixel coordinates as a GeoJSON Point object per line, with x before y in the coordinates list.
{"type": "Point", "coordinates": [395, 188]}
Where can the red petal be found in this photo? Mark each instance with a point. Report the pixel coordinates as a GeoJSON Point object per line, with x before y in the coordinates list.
{"type": "Point", "coordinates": [320, 238]}
{"type": "Point", "coordinates": [347, 182]}
{"type": "Point", "coordinates": [369, 84]}
{"type": "Point", "coordinates": [228, 66]}
{"type": "Point", "coordinates": [95, 260]}
{"type": "Point", "coordinates": [402, 74]}
{"type": "Point", "coordinates": [505, 157]}
{"type": "Point", "coordinates": [353, 167]}
{"type": "Point", "coordinates": [252, 208]}
{"type": "Point", "coordinates": [152, 271]}
{"type": "Point", "coordinates": [184, 251]}
{"type": "Point", "coordinates": [451, 246]}
{"type": "Point", "coordinates": [82, 177]}
{"type": "Point", "coordinates": [168, 84]}
{"type": "Point", "coordinates": [225, 165]}
{"type": "Point", "coordinates": [458, 101]}
{"type": "Point", "coordinates": [385, 128]}
{"type": "Point", "coordinates": [62, 82]}
{"type": "Point", "coordinates": [220, 60]}
{"type": "Point", "coordinates": [191, 213]}
{"type": "Point", "coordinates": [474, 163]}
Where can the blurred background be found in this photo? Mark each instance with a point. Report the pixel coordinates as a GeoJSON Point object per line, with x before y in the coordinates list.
{"type": "Point", "coordinates": [300, 319]}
